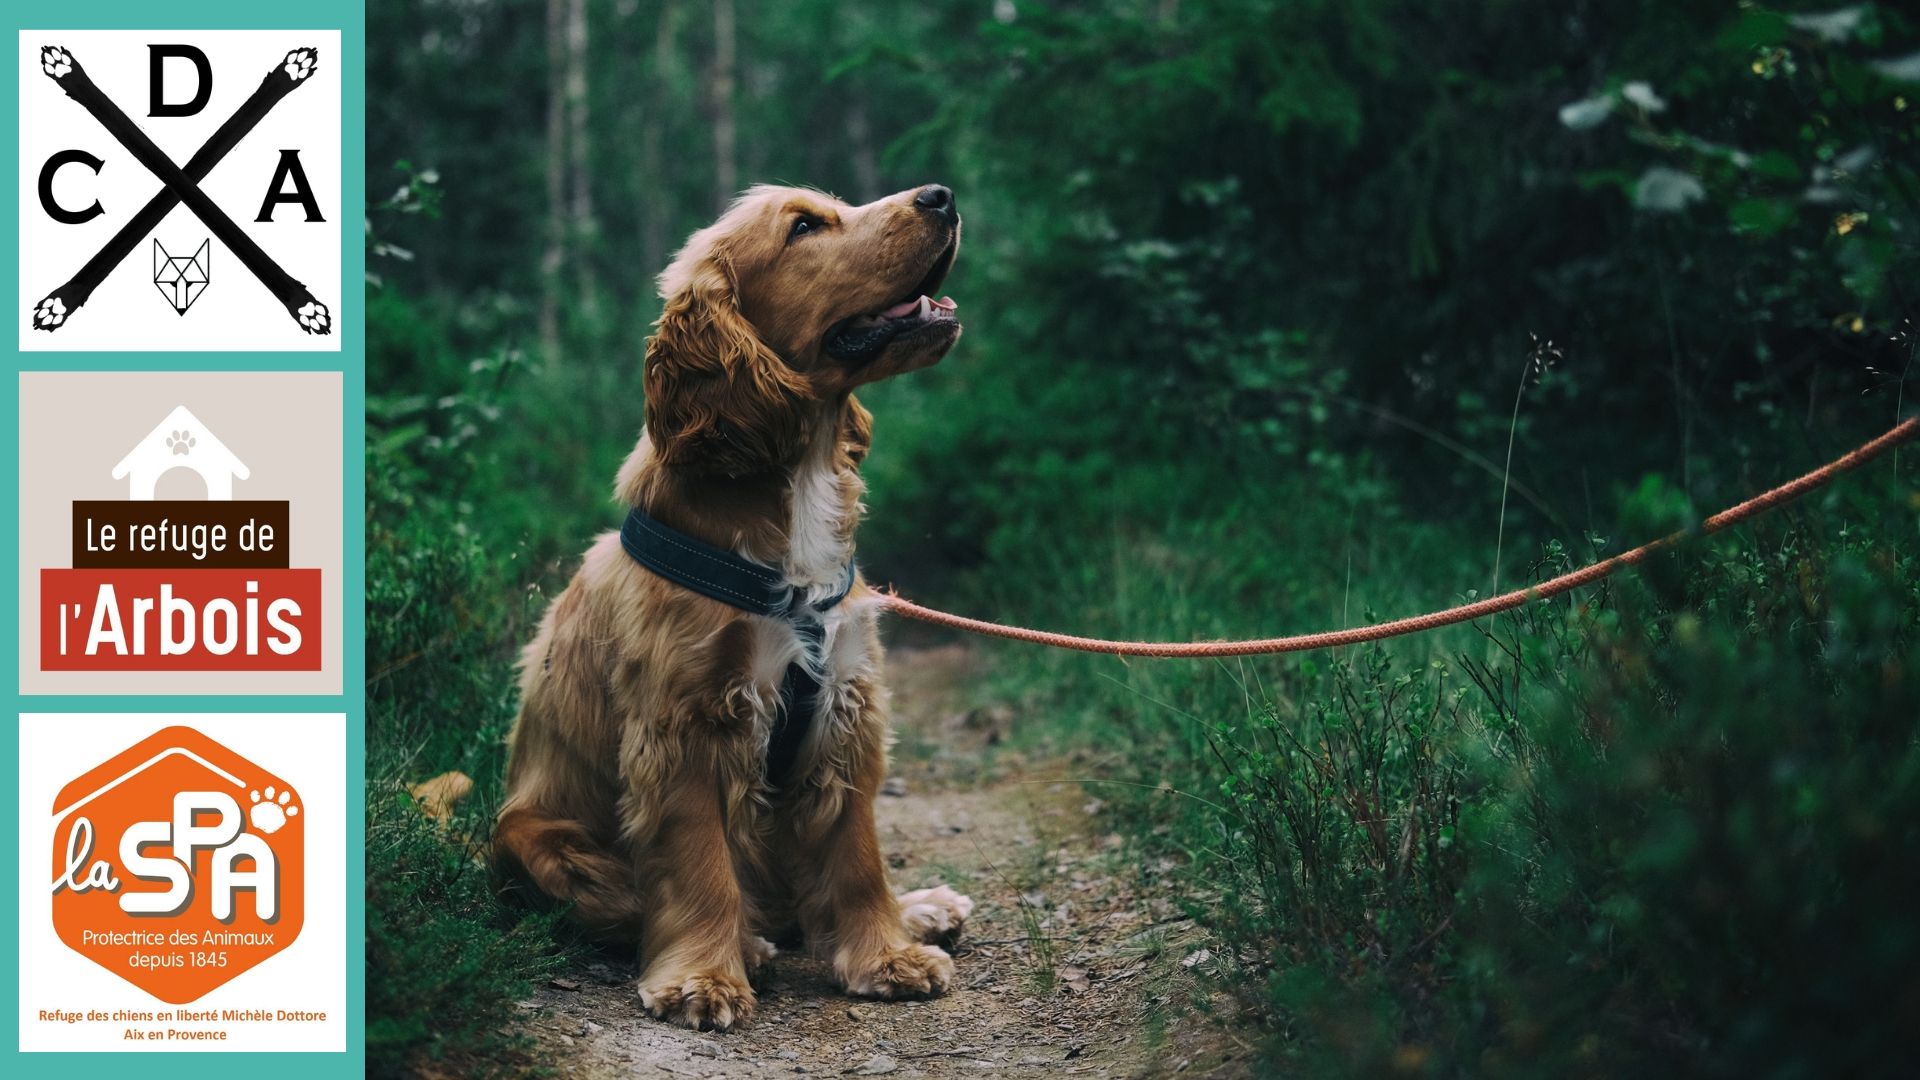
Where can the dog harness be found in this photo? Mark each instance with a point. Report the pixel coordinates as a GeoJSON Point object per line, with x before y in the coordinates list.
{"type": "Point", "coordinates": [721, 575]}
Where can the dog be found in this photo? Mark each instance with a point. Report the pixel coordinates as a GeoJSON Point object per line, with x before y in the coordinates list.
{"type": "Point", "coordinates": [692, 774]}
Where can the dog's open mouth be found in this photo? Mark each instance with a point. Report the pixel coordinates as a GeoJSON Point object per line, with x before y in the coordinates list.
{"type": "Point", "coordinates": [860, 338]}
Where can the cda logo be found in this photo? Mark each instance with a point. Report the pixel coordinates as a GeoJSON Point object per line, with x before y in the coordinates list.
{"type": "Point", "coordinates": [177, 865]}
{"type": "Point", "coordinates": [179, 190]}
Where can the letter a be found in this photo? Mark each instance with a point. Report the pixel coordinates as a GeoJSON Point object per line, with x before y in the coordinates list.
{"type": "Point", "coordinates": [302, 193]}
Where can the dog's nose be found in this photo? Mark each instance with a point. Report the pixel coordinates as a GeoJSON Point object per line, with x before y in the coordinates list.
{"type": "Point", "coordinates": [938, 199]}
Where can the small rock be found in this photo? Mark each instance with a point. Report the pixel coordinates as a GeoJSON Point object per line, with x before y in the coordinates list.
{"type": "Point", "coordinates": [788, 1055]}
{"type": "Point", "coordinates": [563, 984]}
{"type": "Point", "coordinates": [1198, 958]}
{"type": "Point", "coordinates": [992, 720]}
{"type": "Point", "coordinates": [588, 1027]}
{"type": "Point", "coordinates": [895, 787]}
{"type": "Point", "coordinates": [855, 1012]}
{"type": "Point", "coordinates": [883, 1044]}
{"type": "Point", "coordinates": [705, 1049]}
{"type": "Point", "coordinates": [567, 1039]}
{"type": "Point", "coordinates": [877, 1065]}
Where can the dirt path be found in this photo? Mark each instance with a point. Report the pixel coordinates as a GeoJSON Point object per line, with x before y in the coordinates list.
{"type": "Point", "coordinates": [1070, 965]}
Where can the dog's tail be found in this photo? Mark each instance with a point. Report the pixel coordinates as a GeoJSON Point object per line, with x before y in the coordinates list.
{"type": "Point", "coordinates": [539, 860]}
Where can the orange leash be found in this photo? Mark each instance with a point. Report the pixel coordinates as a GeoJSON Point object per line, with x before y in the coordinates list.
{"type": "Point", "coordinates": [1902, 432]}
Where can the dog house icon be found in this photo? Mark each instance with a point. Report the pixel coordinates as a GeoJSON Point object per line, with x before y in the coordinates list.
{"type": "Point", "coordinates": [180, 442]}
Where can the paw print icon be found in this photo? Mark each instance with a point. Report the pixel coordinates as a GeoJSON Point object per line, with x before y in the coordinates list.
{"type": "Point", "coordinates": [299, 63]}
{"type": "Point", "coordinates": [56, 61]}
{"type": "Point", "coordinates": [270, 810]}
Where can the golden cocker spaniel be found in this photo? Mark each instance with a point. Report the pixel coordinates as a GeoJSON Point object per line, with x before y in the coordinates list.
{"type": "Point", "coordinates": [703, 727]}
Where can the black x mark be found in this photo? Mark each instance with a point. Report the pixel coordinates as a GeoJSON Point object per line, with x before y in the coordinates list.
{"type": "Point", "coordinates": [182, 185]}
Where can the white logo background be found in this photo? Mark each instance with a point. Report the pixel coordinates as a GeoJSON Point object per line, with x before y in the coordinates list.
{"type": "Point", "coordinates": [309, 750]}
{"type": "Point", "coordinates": [127, 312]}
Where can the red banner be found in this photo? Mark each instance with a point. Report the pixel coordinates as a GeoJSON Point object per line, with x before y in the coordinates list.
{"type": "Point", "coordinates": [179, 620]}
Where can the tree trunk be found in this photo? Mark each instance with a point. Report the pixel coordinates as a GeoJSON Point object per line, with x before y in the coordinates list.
{"type": "Point", "coordinates": [653, 131]}
{"type": "Point", "coordinates": [726, 167]}
{"type": "Point", "coordinates": [555, 255]}
{"type": "Point", "coordinates": [580, 228]}
{"type": "Point", "coordinates": [866, 167]}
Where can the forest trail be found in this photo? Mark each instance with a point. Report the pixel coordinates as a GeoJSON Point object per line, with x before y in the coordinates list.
{"type": "Point", "coordinates": [1069, 965]}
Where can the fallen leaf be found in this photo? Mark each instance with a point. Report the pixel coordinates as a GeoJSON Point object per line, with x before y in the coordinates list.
{"type": "Point", "coordinates": [438, 795]}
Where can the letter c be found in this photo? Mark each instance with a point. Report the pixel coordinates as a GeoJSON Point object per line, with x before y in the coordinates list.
{"type": "Point", "coordinates": [55, 210]}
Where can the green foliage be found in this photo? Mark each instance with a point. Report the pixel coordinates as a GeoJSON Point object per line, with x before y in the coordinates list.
{"type": "Point", "coordinates": [1659, 827]}
{"type": "Point", "coordinates": [1705, 865]}
{"type": "Point", "coordinates": [444, 961]}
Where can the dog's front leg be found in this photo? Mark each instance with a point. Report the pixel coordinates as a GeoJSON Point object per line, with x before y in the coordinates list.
{"type": "Point", "coordinates": [694, 970]}
{"type": "Point", "coordinates": [847, 908]}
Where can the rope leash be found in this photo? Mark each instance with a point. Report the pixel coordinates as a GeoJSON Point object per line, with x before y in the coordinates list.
{"type": "Point", "coordinates": [1905, 431]}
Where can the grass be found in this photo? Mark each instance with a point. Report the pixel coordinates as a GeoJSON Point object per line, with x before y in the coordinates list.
{"type": "Point", "coordinates": [1657, 826]}
{"type": "Point", "coordinates": [445, 961]}
{"type": "Point", "coordinates": [1477, 850]}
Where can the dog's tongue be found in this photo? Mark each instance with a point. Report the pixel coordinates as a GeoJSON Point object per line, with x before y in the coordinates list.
{"type": "Point", "coordinates": [921, 304]}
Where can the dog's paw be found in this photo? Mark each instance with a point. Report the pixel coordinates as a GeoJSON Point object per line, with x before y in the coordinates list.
{"type": "Point", "coordinates": [758, 953]}
{"type": "Point", "coordinates": [701, 1000]}
{"type": "Point", "coordinates": [934, 916]}
{"type": "Point", "coordinates": [911, 972]}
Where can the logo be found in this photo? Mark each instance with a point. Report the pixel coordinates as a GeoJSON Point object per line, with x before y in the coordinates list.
{"type": "Point", "coordinates": [178, 865]}
{"type": "Point", "coordinates": [181, 280]}
{"type": "Point", "coordinates": [226, 126]}
{"type": "Point", "coordinates": [176, 584]}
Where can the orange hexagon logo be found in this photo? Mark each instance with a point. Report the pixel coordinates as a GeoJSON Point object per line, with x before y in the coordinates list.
{"type": "Point", "coordinates": [177, 865]}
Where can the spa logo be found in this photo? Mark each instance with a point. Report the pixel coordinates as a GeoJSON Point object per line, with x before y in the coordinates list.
{"type": "Point", "coordinates": [177, 865]}
{"type": "Point", "coordinates": [223, 121]}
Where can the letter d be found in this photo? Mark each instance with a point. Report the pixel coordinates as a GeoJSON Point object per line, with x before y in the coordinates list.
{"type": "Point", "coordinates": [157, 55]}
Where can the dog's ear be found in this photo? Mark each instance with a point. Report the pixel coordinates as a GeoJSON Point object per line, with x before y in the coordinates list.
{"type": "Point", "coordinates": [718, 399]}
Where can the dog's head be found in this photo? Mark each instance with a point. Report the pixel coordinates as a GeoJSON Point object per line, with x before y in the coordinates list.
{"type": "Point", "coordinates": [793, 296]}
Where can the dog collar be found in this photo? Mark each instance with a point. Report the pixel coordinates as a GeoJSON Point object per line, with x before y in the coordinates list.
{"type": "Point", "coordinates": [720, 574]}
{"type": "Point", "coordinates": [742, 583]}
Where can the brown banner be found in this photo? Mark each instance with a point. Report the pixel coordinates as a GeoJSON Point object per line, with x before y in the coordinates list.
{"type": "Point", "coordinates": [180, 534]}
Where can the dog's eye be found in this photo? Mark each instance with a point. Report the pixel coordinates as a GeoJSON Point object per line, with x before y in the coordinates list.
{"type": "Point", "coordinates": [802, 225]}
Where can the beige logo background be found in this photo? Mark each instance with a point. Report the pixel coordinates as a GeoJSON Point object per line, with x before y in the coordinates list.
{"type": "Point", "coordinates": [75, 426]}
